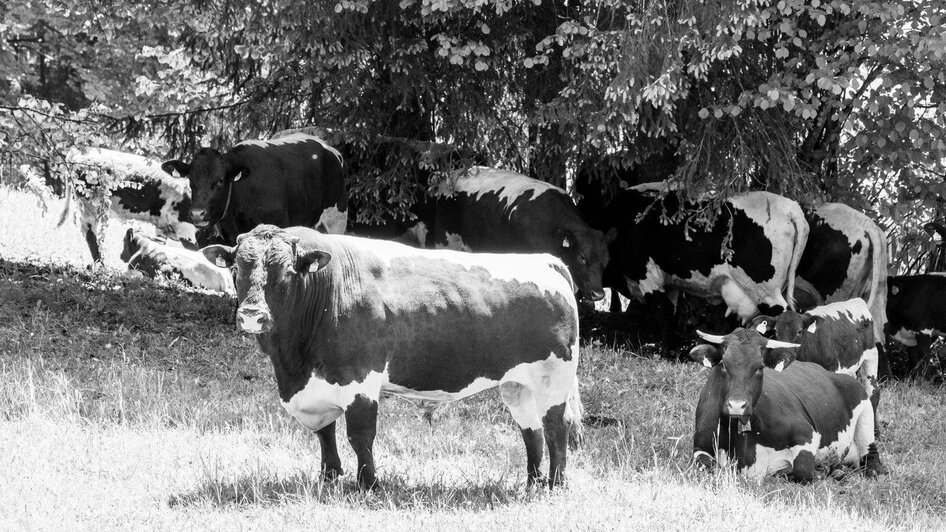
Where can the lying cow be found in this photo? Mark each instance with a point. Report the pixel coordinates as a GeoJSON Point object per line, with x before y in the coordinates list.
{"type": "Point", "coordinates": [498, 211]}
{"type": "Point", "coordinates": [772, 415]}
{"type": "Point", "coordinates": [846, 257]}
{"type": "Point", "coordinates": [112, 183]}
{"type": "Point", "coordinates": [747, 258]}
{"type": "Point", "coordinates": [297, 179]}
{"type": "Point", "coordinates": [345, 319]}
{"type": "Point", "coordinates": [916, 311]}
{"type": "Point", "coordinates": [838, 337]}
{"type": "Point", "coordinates": [154, 258]}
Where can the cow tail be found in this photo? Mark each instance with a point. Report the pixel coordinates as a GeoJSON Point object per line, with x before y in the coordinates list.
{"type": "Point", "coordinates": [877, 299]}
{"type": "Point", "coordinates": [67, 208]}
{"type": "Point", "coordinates": [801, 238]}
{"type": "Point", "coordinates": [574, 413]}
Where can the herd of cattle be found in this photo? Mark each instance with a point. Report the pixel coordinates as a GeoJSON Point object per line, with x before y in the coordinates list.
{"type": "Point", "coordinates": [346, 319]}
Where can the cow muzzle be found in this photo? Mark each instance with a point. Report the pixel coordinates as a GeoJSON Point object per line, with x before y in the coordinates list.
{"type": "Point", "coordinates": [738, 409]}
{"type": "Point", "coordinates": [199, 218]}
{"type": "Point", "coordinates": [254, 320]}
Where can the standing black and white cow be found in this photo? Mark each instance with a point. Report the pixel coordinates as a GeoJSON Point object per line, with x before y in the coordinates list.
{"type": "Point", "coordinates": [491, 210]}
{"type": "Point", "coordinates": [154, 258]}
{"type": "Point", "coordinates": [916, 311]}
{"type": "Point", "coordinates": [297, 179]}
{"type": "Point", "coordinates": [747, 258]}
{"type": "Point", "coordinates": [131, 187]}
{"type": "Point", "coordinates": [838, 337]}
{"type": "Point", "coordinates": [772, 415]}
{"type": "Point", "coordinates": [346, 319]}
{"type": "Point", "coordinates": [846, 257]}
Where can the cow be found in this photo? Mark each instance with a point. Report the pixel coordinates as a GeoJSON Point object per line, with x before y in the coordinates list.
{"type": "Point", "coordinates": [347, 319]}
{"type": "Point", "coordinates": [154, 258]}
{"type": "Point", "coordinates": [499, 211]}
{"type": "Point", "coordinates": [916, 311]}
{"type": "Point", "coordinates": [297, 179]}
{"type": "Point", "coordinates": [747, 258]}
{"type": "Point", "coordinates": [845, 258]}
{"type": "Point", "coordinates": [838, 337]}
{"type": "Point", "coordinates": [774, 415]}
{"type": "Point", "coordinates": [130, 187]}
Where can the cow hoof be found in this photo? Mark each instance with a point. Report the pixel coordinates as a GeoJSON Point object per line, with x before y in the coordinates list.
{"type": "Point", "coordinates": [537, 483]}
{"type": "Point", "coordinates": [369, 484]}
{"type": "Point", "coordinates": [873, 467]}
{"type": "Point", "coordinates": [332, 473]}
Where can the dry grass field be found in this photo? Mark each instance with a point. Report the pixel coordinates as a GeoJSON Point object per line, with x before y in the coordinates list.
{"type": "Point", "coordinates": [129, 405]}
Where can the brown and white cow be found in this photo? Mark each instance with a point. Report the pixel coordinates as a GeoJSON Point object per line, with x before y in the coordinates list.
{"type": "Point", "coordinates": [156, 258]}
{"type": "Point", "coordinates": [838, 337]}
{"type": "Point", "coordinates": [297, 179]}
{"type": "Point", "coordinates": [499, 211]}
{"type": "Point", "coordinates": [773, 415]}
{"type": "Point", "coordinates": [345, 320]}
{"type": "Point", "coordinates": [130, 187]}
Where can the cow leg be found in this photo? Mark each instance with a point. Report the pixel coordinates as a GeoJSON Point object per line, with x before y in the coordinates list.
{"type": "Point", "coordinates": [556, 439]}
{"type": "Point", "coordinates": [521, 404]}
{"type": "Point", "coordinates": [803, 467]}
{"type": "Point", "coordinates": [866, 446]}
{"type": "Point", "coordinates": [93, 243]}
{"type": "Point", "coordinates": [920, 355]}
{"type": "Point", "coordinates": [331, 463]}
{"type": "Point", "coordinates": [867, 374]}
{"type": "Point", "coordinates": [361, 418]}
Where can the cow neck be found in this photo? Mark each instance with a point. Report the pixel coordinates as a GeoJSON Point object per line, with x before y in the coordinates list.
{"type": "Point", "coordinates": [314, 304]}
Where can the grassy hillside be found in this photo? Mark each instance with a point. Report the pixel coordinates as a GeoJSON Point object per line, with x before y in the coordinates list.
{"type": "Point", "coordinates": [124, 404]}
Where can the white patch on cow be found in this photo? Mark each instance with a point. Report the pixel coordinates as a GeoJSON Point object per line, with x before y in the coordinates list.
{"type": "Point", "coordinates": [332, 221]}
{"type": "Point", "coordinates": [853, 309]}
{"type": "Point", "coordinates": [294, 138]}
{"type": "Point", "coordinates": [481, 180]}
{"type": "Point", "coordinates": [455, 243]}
{"type": "Point", "coordinates": [813, 327]}
{"type": "Point", "coordinates": [321, 402]}
{"type": "Point", "coordinates": [737, 301]}
{"type": "Point", "coordinates": [656, 186]}
{"type": "Point", "coordinates": [529, 390]}
{"type": "Point", "coordinates": [540, 269]}
{"type": "Point", "coordinates": [604, 304]}
{"type": "Point", "coordinates": [906, 337]}
{"type": "Point", "coordinates": [653, 280]}
{"type": "Point", "coordinates": [851, 445]}
{"type": "Point", "coordinates": [191, 265]}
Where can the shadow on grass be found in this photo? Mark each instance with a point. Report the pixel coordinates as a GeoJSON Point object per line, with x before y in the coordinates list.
{"type": "Point", "coordinates": [393, 492]}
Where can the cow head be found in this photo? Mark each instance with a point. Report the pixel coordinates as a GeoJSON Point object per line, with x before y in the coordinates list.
{"type": "Point", "coordinates": [585, 252]}
{"type": "Point", "coordinates": [267, 263]}
{"type": "Point", "coordinates": [739, 359]}
{"type": "Point", "coordinates": [207, 173]}
{"type": "Point", "coordinates": [789, 326]}
{"type": "Point", "coordinates": [130, 245]}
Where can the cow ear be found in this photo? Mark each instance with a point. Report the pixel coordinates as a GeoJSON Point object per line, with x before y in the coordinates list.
{"type": "Point", "coordinates": [708, 354]}
{"type": "Point", "coordinates": [311, 260]}
{"type": "Point", "coordinates": [178, 166]}
{"type": "Point", "coordinates": [807, 321]}
{"type": "Point", "coordinates": [779, 359]}
{"type": "Point", "coordinates": [763, 324]}
{"type": "Point", "coordinates": [220, 256]}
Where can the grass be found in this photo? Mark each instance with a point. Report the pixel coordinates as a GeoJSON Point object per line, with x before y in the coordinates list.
{"type": "Point", "coordinates": [127, 405]}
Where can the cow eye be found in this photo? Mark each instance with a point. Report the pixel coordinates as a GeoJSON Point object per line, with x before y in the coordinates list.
{"type": "Point", "coordinates": [581, 258]}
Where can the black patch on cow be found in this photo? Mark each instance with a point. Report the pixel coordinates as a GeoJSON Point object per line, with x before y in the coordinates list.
{"type": "Point", "coordinates": [672, 252]}
{"type": "Point", "coordinates": [916, 303]}
{"type": "Point", "coordinates": [827, 256]}
{"type": "Point", "coordinates": [144, 199]}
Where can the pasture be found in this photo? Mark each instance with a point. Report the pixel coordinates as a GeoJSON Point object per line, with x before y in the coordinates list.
{"type": "Point", "coordinates": [128, 404]}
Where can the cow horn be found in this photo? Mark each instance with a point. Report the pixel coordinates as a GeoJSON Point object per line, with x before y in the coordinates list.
{"type": "Point", "coordinates": [775, 344]}
{"type": "Point", "coordinates": [711, 338]}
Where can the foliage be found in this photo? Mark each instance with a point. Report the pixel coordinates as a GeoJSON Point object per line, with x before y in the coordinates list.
{"type": "Point", "coordinates": [838, 100]}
